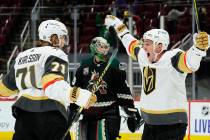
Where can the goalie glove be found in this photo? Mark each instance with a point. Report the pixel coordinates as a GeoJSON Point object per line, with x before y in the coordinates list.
{"type": "Point", "coordinates": [118, 25]}
{"type": "Point", "coordinates": [134, 120]}
{"type": "Point", "coordinates": [201, 40]}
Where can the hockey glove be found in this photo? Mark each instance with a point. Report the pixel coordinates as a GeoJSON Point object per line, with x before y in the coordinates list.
{"type": "Point", "coordinates": [82, 97]}
{"type": "Point", "coordinates": [201, 40]}
{"type": "Point", "coordinates": [118, 25]}
{"type": "Point", "coordinates": [134, 120]}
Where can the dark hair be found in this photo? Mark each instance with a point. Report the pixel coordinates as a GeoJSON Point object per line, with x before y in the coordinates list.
{"type": "Point", "coordinates": [40, 43]}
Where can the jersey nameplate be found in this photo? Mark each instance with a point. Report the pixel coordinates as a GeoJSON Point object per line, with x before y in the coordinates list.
{"type": "Point", "coordinates": [29, 58]}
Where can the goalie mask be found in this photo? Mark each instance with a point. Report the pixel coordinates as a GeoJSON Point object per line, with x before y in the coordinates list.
{"type": "Point", "coordinates": [158, 36]}
{"type": "Point", "coordinates": [53, 27]}
{"type": "Point", "coordinates": [100, 48]}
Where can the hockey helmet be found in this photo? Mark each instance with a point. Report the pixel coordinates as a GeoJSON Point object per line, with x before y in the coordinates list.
{"type": "Point", "coordinates": [49, 27]}
{"type": "Point", "coordinates": [99, 47]}
{"type": "Point", "coordinates": [158, 36]}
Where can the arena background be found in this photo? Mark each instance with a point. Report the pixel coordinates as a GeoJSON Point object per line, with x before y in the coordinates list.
{"type": "Point", "coordinates": [19, 20]}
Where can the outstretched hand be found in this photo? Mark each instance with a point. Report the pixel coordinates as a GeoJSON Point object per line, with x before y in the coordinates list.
{"type": "Point", "coordinates": [201, 40]}
{"type": "Point", "coordinates": [118, 25]}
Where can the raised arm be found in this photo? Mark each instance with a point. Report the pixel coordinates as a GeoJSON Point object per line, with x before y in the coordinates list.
{"type": "Point", "coordinates": [131, 44]}
{"type": "Point", "coordinates": [189, 61]}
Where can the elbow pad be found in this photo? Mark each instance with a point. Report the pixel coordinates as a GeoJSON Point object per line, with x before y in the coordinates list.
{"type": "Point", "coordinates": [193, 58]}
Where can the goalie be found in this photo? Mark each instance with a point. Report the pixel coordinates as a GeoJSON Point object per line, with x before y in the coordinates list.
{"type": "Point", "coordinates": [102, 120]}
{"type": "Point", "coordinates": [163, 97]}
{"type": "Point", "coordinates": [40, 77]}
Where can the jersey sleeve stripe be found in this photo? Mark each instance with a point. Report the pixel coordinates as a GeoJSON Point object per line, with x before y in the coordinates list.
{"type": "Point", "coordinates": [5, 91]}
{"type": "Point", "coordinates": [182, 65]}
{"type": "Point", "coordinates": [50, 83]}
{"type": "Point", "coordinates": [49, 79]}
{"type": "Point", "coordinates": [131, 48]}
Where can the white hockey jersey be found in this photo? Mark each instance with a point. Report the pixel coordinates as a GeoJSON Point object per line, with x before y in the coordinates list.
{"type": "Point", "coordinates": [26, 76]}
{"type": "Point", "coordinates": [31, 65]}
{"type": "Point", "coordinates": [163, 96]}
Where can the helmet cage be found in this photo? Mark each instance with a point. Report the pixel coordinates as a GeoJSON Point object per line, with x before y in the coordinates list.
{"type": "Point", "coordinates": [100, 47]}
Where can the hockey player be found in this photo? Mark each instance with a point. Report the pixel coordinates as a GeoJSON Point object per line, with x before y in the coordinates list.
{"type": "Point", "coordinates": [40, 77]}
{"type": "Point", "coordinates": [163, 97]}
{"type": "Point", "coordinates": [102, 120]}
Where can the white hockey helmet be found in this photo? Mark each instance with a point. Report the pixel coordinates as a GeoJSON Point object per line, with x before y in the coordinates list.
{"type": "Point", "coordinates": [158, 36]}
{"type": "Point", "coordinates": [49, 27]}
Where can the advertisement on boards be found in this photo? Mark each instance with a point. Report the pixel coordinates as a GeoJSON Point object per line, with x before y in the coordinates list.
{"type": "Point", "coordinates": [200, 118]}
{"type": "Point", "coordinates": [7, 121]}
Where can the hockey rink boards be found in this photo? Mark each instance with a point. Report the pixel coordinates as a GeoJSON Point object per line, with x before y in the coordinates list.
{"type": "Point", "coordinates": [198, 128]}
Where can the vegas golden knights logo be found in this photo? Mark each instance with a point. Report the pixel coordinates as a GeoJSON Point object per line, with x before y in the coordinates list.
{"type": "Point", "coordinates": [149, 79]}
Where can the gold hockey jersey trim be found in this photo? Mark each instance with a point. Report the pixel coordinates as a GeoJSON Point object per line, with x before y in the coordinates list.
{"type": "Point", "coordinates": [35, 98]}
{"type": "Point", "coordinates": [39, 98]}
{"type": "Point", "coordinates": [134, 44]}
{"type": "Point", "coordinates": [182, 63]}
{"type": "Point", "coordinates": [163, 111]}
{"type": "Point", "coordinates": [6, 91]}
{"type": "Point", "coordinates": [50, 77]}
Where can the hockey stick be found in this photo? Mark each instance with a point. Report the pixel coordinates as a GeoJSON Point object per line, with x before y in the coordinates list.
{"type": "Point", "coordinates": [196, 21]}
{"type": "Point", "coordinates": [196, 15]}
{"type": "Point", "coordinates": [75, 116]}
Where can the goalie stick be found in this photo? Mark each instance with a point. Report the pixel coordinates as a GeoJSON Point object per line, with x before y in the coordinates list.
{"type": "Point", "coordinates": [75, 116]}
